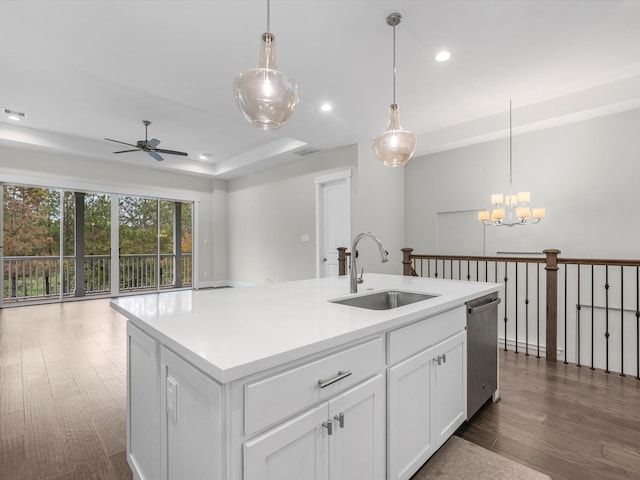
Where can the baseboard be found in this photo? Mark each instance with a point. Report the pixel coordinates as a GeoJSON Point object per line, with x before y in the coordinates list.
{"type": "Point", "coordinates": [237, 284]}
{"type": "Point", "coordinates": [533, 348]}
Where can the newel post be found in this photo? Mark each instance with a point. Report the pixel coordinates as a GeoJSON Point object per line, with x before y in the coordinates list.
{"type": "Point", "coordinates": [552, 303]}
{"type": "Point", "coordinates": [342, 260]}
{"type": "Point", "coordinates": [406, 261]}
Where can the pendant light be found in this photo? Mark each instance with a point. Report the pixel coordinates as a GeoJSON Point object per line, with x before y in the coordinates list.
{"type": "Point", "coordinates": [395, 146]}
{"type": "Point", "coordinates": [511, 209]}
{"type": "Point", "coordinates": [266, 96]}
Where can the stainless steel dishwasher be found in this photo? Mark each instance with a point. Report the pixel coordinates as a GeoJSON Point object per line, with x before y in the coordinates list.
{"type": "Point", "coordinates": [482, 351]}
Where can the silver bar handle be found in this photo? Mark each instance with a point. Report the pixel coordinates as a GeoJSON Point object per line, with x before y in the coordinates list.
{"type": "Point", "coordinates": [340, 419]}
{"type": "Point", "coordinates": [444, 357]}
{"type": "Point", "coordinates": [329, 426]}
{"type": "Point", "coordinates": [438, 359]}
{"type": "Point", "coordinates": [486, 306]}
{"type": "Point", "coordinates": [329, 381]}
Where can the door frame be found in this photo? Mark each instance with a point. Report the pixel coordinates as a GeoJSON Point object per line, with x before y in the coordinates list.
{"type": "Point", "coordinates": [320, 181]}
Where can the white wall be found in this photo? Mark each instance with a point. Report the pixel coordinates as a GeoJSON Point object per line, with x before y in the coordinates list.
{"type": "Point", "coordinates": [586, 174]}
{"type": "Point", "coordinates": [268, 214]}
{"type": "Point", "coordinates": [67, 171]}
{"type": "Point", "coordinates": [379, 209]}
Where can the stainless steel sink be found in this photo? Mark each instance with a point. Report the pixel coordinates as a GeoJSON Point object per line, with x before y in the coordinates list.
{"type": "Point", "coordinates": [384, 300]}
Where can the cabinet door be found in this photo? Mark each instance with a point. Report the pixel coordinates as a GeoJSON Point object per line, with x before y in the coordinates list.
{"type": "Point", "coordinates": [410, 436]}
{"type": "Point", "coordinates": [297, 449]}
{"type": "Point", "coordinates": [450, 393]}
{"type": "Point", "coordinates": [143, 403]}
{"type": "Point", "coordinates": [357, 445]}
{"type": "Point", "coordinates": [191, 421]}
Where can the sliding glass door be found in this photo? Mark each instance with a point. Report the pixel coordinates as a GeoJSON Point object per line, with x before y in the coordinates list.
{"type": "Point", "coordinates": [58, 244]}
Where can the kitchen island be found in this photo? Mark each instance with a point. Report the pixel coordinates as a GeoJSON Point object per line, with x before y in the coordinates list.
{"type": "Point", "coordinates": [278, 382]}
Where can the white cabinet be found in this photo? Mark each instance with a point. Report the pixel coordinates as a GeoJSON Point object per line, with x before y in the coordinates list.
{"type": "Point", "coordinates": [143, 404]}
{"type": "Point", "coordinates": [191, 425]}
{"type": "Point", "coordinates": [426, 403]}
{"type": "Point", "coordinates": [341, 439]}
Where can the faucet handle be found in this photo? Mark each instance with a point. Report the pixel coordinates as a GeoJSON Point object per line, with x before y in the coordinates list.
{"type": "Point", "coordinates": [361, 280]}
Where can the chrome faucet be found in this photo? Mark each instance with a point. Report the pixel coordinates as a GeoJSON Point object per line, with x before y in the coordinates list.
{"type": "Point", "coordinates": [354, 256]}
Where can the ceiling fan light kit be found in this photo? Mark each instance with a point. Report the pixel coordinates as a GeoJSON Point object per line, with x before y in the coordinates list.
{"type": "Point", "coordinates": [148, 146]}
{"type": "Point", "coordinates": [266, 96]}
{"type": "Point", "coordinates": [395, 146]}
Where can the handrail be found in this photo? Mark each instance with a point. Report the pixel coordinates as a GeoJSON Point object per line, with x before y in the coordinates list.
{"type": "Point", "coordinates": [610, 282]}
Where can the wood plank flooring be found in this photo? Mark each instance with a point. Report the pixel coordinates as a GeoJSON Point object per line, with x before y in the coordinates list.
{"type": "Point", "coordinates": [569, 422]}
{"type": "Point", "coordinates": [62, 404]}
{"type": "Point", "coordinates": [62, 392]}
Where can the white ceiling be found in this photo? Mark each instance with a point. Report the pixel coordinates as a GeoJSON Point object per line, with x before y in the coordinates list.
{"type": "Point", "coordinates": [85, 70]}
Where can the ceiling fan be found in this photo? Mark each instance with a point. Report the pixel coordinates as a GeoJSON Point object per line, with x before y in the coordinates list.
{"type": "Point", "coordinates": [148, 146]}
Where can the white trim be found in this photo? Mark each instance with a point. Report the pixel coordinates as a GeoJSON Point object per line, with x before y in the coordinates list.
{"type": "Point", "coordinates": [195, 250]}
{"type": "Point", "coordinates": [82, 186]}
{"type": "Point", "coordinates": [330, 177]}
{"type": "Point", "coordinates": [115, 245]}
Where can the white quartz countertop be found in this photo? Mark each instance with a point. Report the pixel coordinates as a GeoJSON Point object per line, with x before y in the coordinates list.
{"type": "Point", "coordinates": [234, 332]}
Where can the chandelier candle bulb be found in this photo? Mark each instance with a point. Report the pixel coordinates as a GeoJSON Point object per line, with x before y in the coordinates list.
{"type": "Point", "coordinates": [524, 197]}
{"type": "Point", "coordinates": [523, 212]}
{"type": "Point", "coordinates": [483, 215]}
{"type": "Point", "coordinates": [539, 213]}
{"type": "Point", "coordinates": [497, 198]}
{"type": "Point", "coordinates": [497, 214]}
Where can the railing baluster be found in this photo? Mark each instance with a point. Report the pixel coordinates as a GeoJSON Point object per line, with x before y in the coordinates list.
{"type": "Point", "coordinates": [526, 309]}
{"type": "Point", "coordinates": [538, 307]}
{"type": "Point", "coordinates": [593, 308]}
{"type": "Point", "coordinates": [637, 323]}
{"type": "Point", "coordinates": [622, 321]}
{"type": "Point", "coordinates": [515, 302]}
{"type": "Point", "coordinates": [579, 308]}
{"type": "Point", "coordinates": [506, 296]}
{"type": "Point", "coordinates": [606, 316]}
{"type": "Point", "coordinates": [565, 314]}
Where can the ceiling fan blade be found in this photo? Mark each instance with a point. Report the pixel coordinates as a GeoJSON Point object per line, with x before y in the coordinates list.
{"type": "Point", "coordinates": [153, 143]}
{"type": "Point", "coordinates": [127, 151]}
{"type": "Point", "coordinates": [171, 152]}
{"type": "Point", "coordinates": [124, 143]}
{"type": "Point", "coordinates": [155, 155]}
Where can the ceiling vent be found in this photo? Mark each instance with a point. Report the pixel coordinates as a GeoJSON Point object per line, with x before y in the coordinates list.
{"type": "Point", "coordinates": [305, 150]}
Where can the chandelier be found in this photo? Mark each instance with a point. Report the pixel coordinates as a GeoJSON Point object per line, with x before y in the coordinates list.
{"type": "Point", "coordinates": [511, 209]}
{"type": "Point", "coordinates": [266, 96]}
{"type": "Point", "coordinates": [395, 146]}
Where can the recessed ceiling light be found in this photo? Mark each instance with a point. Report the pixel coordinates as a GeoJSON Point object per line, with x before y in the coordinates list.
{"type": "Point", "coordinates": [326, 107]}
{"type": "Point", "coordinates": [204, 156]}
{"type": "Point", "coordinates": [443, 56]}
{"type": "Point", "coordinates": [13, 115]}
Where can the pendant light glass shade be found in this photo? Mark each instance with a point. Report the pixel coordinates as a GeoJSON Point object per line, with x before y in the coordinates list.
{"type": "Point", "coordinates": [266, 96]}
{"type": "Point", "coordinates": [395, 146]}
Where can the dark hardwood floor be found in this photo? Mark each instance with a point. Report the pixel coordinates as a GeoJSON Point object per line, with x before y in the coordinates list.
{"type": "Point", "coordinates": [568, 422]}
{"type": "Point", "coordinates": [62, 404]}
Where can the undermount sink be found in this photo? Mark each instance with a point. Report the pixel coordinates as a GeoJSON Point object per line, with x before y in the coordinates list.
{"type": "Point", "coordinates": [385, 300]}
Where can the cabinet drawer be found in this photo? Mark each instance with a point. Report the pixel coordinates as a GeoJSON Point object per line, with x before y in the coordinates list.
{"type": "Point", "coordinates": [406, 341]}
{"type": "Point", "coordinates": [279, 396]}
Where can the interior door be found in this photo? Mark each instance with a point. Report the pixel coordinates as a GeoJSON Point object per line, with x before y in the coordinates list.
{"type": "Point", "coordinates": [333, 220]}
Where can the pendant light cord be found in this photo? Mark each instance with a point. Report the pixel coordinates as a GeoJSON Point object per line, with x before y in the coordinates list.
{"type": "Point", "coordinates": [268, 18]}
{"type": "Point", "coordinates": [394, 64]}
{"type": "Point", "coordinates": [510, 150]}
